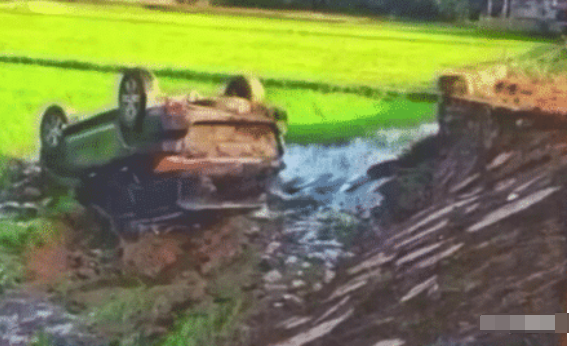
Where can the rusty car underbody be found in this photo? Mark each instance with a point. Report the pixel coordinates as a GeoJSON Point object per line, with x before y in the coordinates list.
{"type": "Point", "coordinates": [159, 158]}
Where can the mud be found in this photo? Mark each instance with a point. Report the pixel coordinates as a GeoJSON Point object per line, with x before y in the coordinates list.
{"type": "Point", "coordinates": [468, 230]}
{"type": "Point", "coordinates": [293, 248]}
{"type": "Point", "coordinates": [327, 262]}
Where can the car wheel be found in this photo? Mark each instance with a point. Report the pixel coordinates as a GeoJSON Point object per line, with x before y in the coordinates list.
{"type": "Point", "coordinates": [136, 90]}
{"type": "Point", "coordinates": [246, 87]}
{"type": "Point", "coordinates": [53, 122]}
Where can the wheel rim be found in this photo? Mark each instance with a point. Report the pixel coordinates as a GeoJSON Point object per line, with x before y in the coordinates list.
{"type": "Point", "coordinates": [52, 131]}
{"type": "Point", "coordinates": [130, 100]}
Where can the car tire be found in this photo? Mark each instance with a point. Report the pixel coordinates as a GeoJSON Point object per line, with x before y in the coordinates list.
{"type": "Point", "coordinates": [54, 120]}
{"type": "Point", "coordinates": [246, 87]}
{"type": "Point", "coordinates": [136, 91]}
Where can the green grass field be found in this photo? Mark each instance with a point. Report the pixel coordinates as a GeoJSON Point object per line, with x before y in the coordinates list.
{"type": "Point", "coordinates": [368, 52]}
{"type": "Point", "coordinates": [314, 117]}
{"type": "Point", "coordinates": [67, 52]}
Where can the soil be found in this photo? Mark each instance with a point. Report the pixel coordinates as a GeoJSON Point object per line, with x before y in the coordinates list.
{"type": "Point", "coordinates": [410, 252]}
{"type": "Point", "coordinates": [502, 88]}
{"type": "Point", "coordinates": [526, 92]}
{"type": "Point", "coordinates": [468, 230]}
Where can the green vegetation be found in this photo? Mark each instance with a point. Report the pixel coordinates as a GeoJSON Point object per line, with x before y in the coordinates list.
{"type": "Point", "coordinates": [542, 61]}
{"type": "Point", "coordinates": [11, 270]}
{"type": "Point", "coordinates": [214, 325]}
{"type": "Point", "coordinates": [314, 117]}
{"type": "Point", "coordinates": [124, 306]}
{"type": "Point", "coordinates": [331, 74]}
{"type": "Point", "coordinates": [18, 236]}
{"type": "Point", "coordinates": [369, 52]}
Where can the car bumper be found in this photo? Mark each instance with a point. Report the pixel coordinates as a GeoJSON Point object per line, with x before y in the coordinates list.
{"type": "Point", "coordinates": [217, 167]}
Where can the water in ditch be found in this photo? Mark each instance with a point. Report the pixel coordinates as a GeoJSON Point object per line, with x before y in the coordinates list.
{"type": "Point", "coordinates": [329, 175]}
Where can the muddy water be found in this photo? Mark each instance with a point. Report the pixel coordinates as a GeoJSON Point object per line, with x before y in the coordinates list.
{"type": "Point", "coordinates": [330, 174]}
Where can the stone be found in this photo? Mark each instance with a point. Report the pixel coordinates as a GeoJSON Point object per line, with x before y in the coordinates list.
{"type": "Point", "coordinates": [293, 322]}
{"type": "Point", "coordinates": [422, 234]}
{"type": "Point", "coordinates": [272, 276]}
{"type": "Point", "coordinates": [316, 332]}
{"type": "Point", "coordinates": [390, 342]}
{"type": "Point", "coordinates": [273, 246]}
{"type": "Point", "coordinates": [464, 183]}
{"type": "Point", "coordinates": [436, 258]}
{"type": "Point", "coordinates": [293, 298]}
{"type": "Point", "coordinates": [329, 275]}
{"type": "Point", "coordinates": [371, 262]}
{"type": "Point", "coordinates": [418, 289]}
{"type": "Point", "coordinates": [512, 197]}
{"type": "Point", "coordinates": [291, 260]}
{"type": "Point", "coordinates": [418, 253]}
{"type": "Point", "coordinates": [499, 160]}
{"type": "Point", "coordinates": [512, 208]}
{"type": "Point", "coordinates": [298, 283]}
{"type": "Point", "coordinates": [350, 286]}
{"type": "Point", "coordinates": [333, 309]}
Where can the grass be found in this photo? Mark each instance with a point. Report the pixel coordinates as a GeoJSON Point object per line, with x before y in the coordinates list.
{"type": "Point", "coordinates": [221, 321]}
{"type": "Point", "coordinates": [313, 116]}
{"type": "Point", "coordinates": [542, 61]}
{"type": "Point", "coordinates": [18, 236]}
{"type": "Point", "coordinates": [373, 53]}
{"type": "Point", "coordinates": [215, 325]}
{"type": "Point", "coordinates": [328, 72]}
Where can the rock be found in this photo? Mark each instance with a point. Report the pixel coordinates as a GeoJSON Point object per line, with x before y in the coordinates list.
{"type": "Point", "coordinates": [317, 286]}
{"type": "Point", "coordinates": [329, 276]}
{"type": "Point", "coordinates": [291, 260]}
{"type": "Point", "coordinates": [390, 342]}
{"type": "Point", "coordinates": [293, 298]}
{"type": "Point", "coordinates": [31, 193]}
{"type": "Point", "coordinates": [383, 169]}
{"type": "Point", "coordinates": [264, 214]}
{"type": "Point", "coordinates": [512, 196]}
{"type": "Point", "coordinates": [273, 246]}
{"type": "Point", "coordinates": [298, 283]}
{"type": "Point", "coordinates": [252, 230]}
{"type": "Point", "coordinates": [272, 276]}
{"type": "Point", "coordinates": [305, 265]}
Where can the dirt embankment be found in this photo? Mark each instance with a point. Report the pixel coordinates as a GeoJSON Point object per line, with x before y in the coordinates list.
{"type": "Point", "coordinates": [473, 222]}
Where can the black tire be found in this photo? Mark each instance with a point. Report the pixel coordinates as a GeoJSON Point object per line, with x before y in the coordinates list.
{"type": "Point", "coordinates": [246, 87]}
{"type": "Point", "coordinates": [54, 120]}
{"type": "Point", "coordinates": [136, 90]}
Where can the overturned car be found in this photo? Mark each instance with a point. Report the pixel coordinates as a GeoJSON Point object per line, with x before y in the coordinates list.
{"type": "Point", "coordinates": [156, 156]}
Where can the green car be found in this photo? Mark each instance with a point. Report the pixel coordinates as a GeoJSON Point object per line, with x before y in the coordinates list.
{"type": "Point", "coordinates": [154, 156]}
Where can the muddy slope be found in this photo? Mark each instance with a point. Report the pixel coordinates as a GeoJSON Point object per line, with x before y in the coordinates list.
{"type": "Point", "coordinates": [473, 222]}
